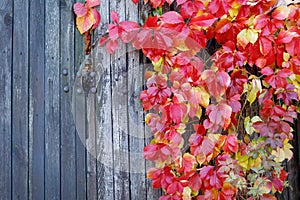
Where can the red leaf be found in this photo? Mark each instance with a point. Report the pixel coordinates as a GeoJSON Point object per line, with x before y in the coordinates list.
{"type": "Point", "coordinates": [261, 21]}
{"type": "Point", "coordinates": [231, 144]}
{"type": "Point", "coordinates": [179, 2]}
{"type": "Point", "coordinates": [286, 36]}
{"type": "Point", "coordinates": [176, 113]}
{"type": "Point", "coordinates": [129, 31]}
{"type": "Point", "coordinates": [135, 1]}
{"type": "Point", "coordinates": [103, 40]}
{"type": "Point", "coordinates": [114, 16]}
{"type": "Point", "coordinates": [171, 17]}
{"type": "Point", "coordinates": [203, 20]}
{"type": "Point", "coordinates": [195, 182]}
{"type": "Point", "coordinates": [268, 197]}
{"type": "Point", "coordinates": [80, 9]}
{"type": "Point", "coordinates": [112, 46]}
{"type": "Point", "coordinates": [281, 12]}
{"type": "Point", "coordinates": [159, 152]}
{"type": "Point", "coordinates": [265, 45]}
{"type": "Point", "coordinates": [217, 82]}
{"type": "Point", "coordinates": [223, 25]}
{"type": "Point", "coordinates": [97, 18]}
{"type": "Point", "coordinates": [156, 175]}
{"type": "Point", "coordinates": [278, 184]}
{"type": "Point", "coordinates": [92, 3]}
{"type": "Point", "coordinates": [218, 117]}
{"type": "Point", "coordinates": [113, 31]}
{"type": "Point", "coordinates": [267, 71]}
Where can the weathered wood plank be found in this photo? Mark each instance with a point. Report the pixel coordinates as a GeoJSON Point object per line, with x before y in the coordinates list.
{"type": "Point", "coordinates": [52, 101]}
{"type": "Point", "coordinates": [68, 132]}
{"type": "Point", "coordinates": [20, 100]}
{"type": "Point", "coordinates": [6, 14]}
{"type": "Point", "coordinates": [81, 186]}
{"type": "Point", "coordinates": [36, 100]}
{"type": "Point", "coordinates": [80, 121]}
{"type": "Point", "coordinates": [91, 148]}
{"type": "Point", "coordinates": [135, 113]}
{"type": "Point", "coordinates": [105, 180]}
{"type": "Point", "coordinates": [119, 88]}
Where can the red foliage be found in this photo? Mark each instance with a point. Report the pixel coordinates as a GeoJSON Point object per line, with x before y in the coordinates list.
{"type": "Point", "coordinates": [256, 59]}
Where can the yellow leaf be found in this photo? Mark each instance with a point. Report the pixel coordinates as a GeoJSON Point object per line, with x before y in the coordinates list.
{"type": "Point", "coordinates": [243, 161]}
{"type": "Point", "coordinates": [252, 35]}
{"type": "Point", "coordinates": [283, 153]}
{"type": "Point", "coordinates": [286, 56]}
{"type": "Point", "coordinates": [255, 88]}
{"type": "Point", "coordinates": [199, 113]}
{"type": "Point", "coordinates": [86, 22]}
{"type": "Point", "coordinates": [204, 96]}
{"type": "Point", "coordinates": [186, 195]}
{"type": "Point", "coordinates": [158, 65]}
{"type": "Point", "coordinates": [242, 39]}
{"type": "Point", "coordinates": [246, 36]}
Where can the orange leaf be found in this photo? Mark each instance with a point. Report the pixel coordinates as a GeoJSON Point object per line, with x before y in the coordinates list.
{"type": "Point", "coordinates": [86, 22]}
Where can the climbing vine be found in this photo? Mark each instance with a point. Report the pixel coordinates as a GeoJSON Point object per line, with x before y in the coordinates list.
{"type": "Point", "coordinates": [222, 96]}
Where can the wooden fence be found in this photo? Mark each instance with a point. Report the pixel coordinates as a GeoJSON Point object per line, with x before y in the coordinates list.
{"type": "Point", "coordinates": [44, 153]}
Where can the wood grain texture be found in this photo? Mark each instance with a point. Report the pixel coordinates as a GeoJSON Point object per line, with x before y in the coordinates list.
{"type": "Point", "coordinates": [6, 16]}
{"type": "Point", "coordinates": [136, 127]}
{"type": "Point", "coordinates": [68, 132]}
{"type": "Point", "coordinates": [20, 100]}
{"type": "Point", "coordinates": [81, 186]}
{"type": "Point", "coordinates": [105, 172]}
{"type": "Point", "coordinates": [52, 100]}
{"type": "Point", "coordinates": [36, 100]}
{"type": "Point", "coordinates": [120, 121]}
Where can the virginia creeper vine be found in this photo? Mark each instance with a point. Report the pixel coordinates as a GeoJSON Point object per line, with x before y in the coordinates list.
{"type": "Point", "coordinates": [255, 62]}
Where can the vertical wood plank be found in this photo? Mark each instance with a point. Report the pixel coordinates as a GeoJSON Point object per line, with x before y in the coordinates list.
{"type": "Point", "coordinates": [36, 100]}
{"type": "Point", "coordinates": [80, 125]}
{"type": "Point", "coordinates": [20, 101]}
{"type": "Point", "coordinates": [91, 148]}
{"type": "Point", "coordinates": [119, 67]}
{"type": "Point", "coordinates": [68, 132]}
{"type": "Point", "coordinates": [52, 101]}
{"type": "Point", "coordinates": [6, 20]}
{"type": "Point", "coordinates": [135, 114]}
{"type": "Point", "coordinates": [105, 179]}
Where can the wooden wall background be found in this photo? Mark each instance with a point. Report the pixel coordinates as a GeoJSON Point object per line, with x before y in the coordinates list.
{"type": "Point", "coordinates": [44, 154]}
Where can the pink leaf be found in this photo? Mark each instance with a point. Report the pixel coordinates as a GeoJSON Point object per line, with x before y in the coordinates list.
{"type": "Point", "coordinates": [171, 17]}
{"type": "Point", "coordinates": [112, 46]}
{"type": "Point", "coordinates": [97, 18]}
{"type": "Point", "coordinates": [114, 16]}
{"type": "Point", "coordinates": [92, 3]}
{"type": "Point", "coordinates": [80, 9]}
{"type": "Point", "coordinates": [204, 20]}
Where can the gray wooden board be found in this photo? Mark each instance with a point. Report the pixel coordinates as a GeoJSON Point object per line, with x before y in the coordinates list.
{"type": "Point", "coordinates": [68, 132]}
{"type": "Point", "coordinates": [135, 114]}
{"type": "Point", "coordinates": [81, 186]}
{"type": "Point", "coordinates": [20, 100]}
{"type": "Point", "coordinates": [52, 100]}
{"type": "Point", "coordinates": [6, 16]}
{"type": "Point", "coordinates": [120, 114]}
{"type": "Point", "coordinates": [105, 180]}
{"type": "Point", "coordinates": [36, 100]}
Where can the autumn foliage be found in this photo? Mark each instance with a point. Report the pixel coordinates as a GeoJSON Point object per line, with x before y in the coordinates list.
{"type": "Point", "coordinates": [205, 143]}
